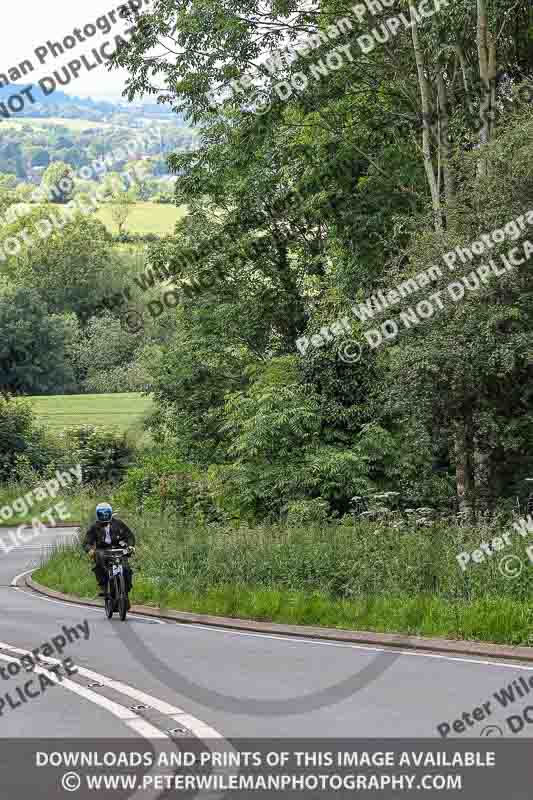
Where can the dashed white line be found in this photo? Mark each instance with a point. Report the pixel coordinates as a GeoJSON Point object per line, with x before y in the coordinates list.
{"type": "Point", "coordinates": [197, 726]}
{"type": "Point", "coordinates": [126, 715]}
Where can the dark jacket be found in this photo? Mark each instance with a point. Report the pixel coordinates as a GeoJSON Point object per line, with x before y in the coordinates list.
{"type": "Point", "coordinates": [96, 535]}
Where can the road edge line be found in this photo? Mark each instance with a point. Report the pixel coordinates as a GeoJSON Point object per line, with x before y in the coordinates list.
{"type": "Point", "coordinates": [397, 641]}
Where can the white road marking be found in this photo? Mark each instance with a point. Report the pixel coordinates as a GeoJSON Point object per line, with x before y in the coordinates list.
{"type": "Point", "coordinates": [322, 642]}
{"type": "Point", "coordinates": [21, 575]}
{"type": "Point", "coordinates": [142, 727]}
{"type": "Point", "coordinates": [197, 726]}
{"type": "Point", "coordinates": [127, 715]}
{"type": "Point", "coordinates": [355, 646]}
{"type": "Point", "coordinates": [119, 711]}
{"type": "Point", "coordinates": [96, 609]}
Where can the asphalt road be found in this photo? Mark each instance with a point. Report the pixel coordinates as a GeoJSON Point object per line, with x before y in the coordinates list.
{"type": "Point", "coordinates": [235, 684]}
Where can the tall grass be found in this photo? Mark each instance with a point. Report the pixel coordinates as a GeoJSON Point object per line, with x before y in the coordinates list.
{"type": "Point", "coordinates": [365, 577]}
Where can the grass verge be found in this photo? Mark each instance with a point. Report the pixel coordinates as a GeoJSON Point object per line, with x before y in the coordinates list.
{"type": "Point", "coordinates": [500, 620]}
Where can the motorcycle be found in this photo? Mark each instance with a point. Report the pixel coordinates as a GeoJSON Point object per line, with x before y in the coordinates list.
{"type": "Point", "coordinates": [116, 598]}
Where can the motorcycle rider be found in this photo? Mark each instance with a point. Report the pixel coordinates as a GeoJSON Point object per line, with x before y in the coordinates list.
{"type": "Point", "coordinates": [107, 531]}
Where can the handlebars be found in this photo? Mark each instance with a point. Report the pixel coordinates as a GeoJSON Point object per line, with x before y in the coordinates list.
{"type": "Point", "coordinates": [116, 552]}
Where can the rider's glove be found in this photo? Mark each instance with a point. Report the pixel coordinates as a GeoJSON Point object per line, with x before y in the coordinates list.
{"type": "Point", "coordinates": [92, 553]}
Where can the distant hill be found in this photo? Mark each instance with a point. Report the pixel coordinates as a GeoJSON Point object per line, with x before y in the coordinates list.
{"type": "Point", "coordinates": [57, 98]}
{"type": "Point", "coordinates": [80, 107]}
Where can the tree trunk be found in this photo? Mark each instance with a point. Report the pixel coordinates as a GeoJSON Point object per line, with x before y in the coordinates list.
{"type": "Point", "coordinates": [463, 465]}
{"type": "Point", "coordinates": [483, 61]}
{"type": "Point", "coordinates": [483, 477]}
{"type": "Point", "coordinates": [426, 115]}
{"type": "Point", "coordinates": [444, 144]}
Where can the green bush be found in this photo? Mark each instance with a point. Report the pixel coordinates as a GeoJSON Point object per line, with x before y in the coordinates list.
{"type": "Point", "coordinates": [104, 454]}
{"type": "Point", "coordinates": [161, 482]}
{"type": "Point", "coordinates": [307, 512]}
{"type": "Point", "coordinates": [25, 450]}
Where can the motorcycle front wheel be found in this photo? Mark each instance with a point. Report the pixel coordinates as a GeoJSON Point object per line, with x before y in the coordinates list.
{"type": "Point", "coordinates": [109, 606]}
{"type": "Point", "coordinates": [122, 597]}
{"type": "Point", "coordinates": [110, 602]}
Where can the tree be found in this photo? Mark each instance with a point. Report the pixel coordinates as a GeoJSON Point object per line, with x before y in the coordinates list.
{"type": "Point", "coordinates": [8, 195]}
{"type": "Point", "coordinates": [139, 172]}
{"type": "Point", "coordinates": [58, 182]}
{"type": "Point", "coordinates": [32, 347]}
{"type": "Point", "coordinates": [112, 183]}
{"type": "Point", "coordinates": [71, 267]}
{"type": "Point", "coordinates": [22, 442]}
{"type": "Point", "coordinates": [123, 203]}
{"type": "Point", "coordinates": [105, 356]}
{"type": "Point", "coordinates": [349, 185]}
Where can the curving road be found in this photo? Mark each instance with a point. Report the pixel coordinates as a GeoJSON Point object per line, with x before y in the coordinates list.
{"type": "Point", "coordinates": [208, 681]}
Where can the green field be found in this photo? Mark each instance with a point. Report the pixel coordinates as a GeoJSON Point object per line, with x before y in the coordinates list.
{"type": "Point", "coordinates": [145, 218]}
{"type": "Point", "coordinates": [119, 411]}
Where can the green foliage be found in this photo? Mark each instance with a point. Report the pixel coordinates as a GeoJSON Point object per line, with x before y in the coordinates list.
{"type": "Point", "coordinates": [160, 482]}
{"type": "Point", "coordinates": [104, 454]}
{"type": "Point", "coordinates": [58, 181]}
{"type": "Point", "coordinates": [365, 562]}
{"type": "Point", "coordinates": [33, 346]}
{"type": "Point", "coordinates": [122, 206]}
{"type": "Point", "coordinates": [303, 513]}
{"type": "Point", "coordinates": [24, 451]}
{"type": "Point", "coordinates": [105, 357]}
{"type": "Point", "coordinates": [349, 186]}
{"type": "Point", "coordinates": [497, 619]}
{"type": "Point", "coordinates": [70, 267]}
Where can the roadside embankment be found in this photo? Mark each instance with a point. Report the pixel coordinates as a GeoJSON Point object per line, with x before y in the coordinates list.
{"type": "Point", "coordinates": [362, 577]}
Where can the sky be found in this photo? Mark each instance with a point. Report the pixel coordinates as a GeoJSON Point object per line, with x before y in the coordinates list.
{"type": "Point", "coordinates": [29, 24]}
